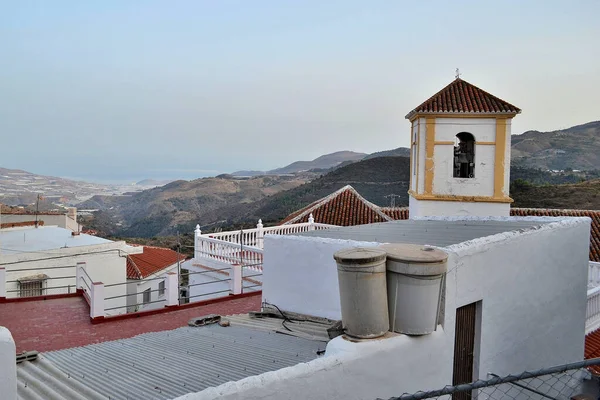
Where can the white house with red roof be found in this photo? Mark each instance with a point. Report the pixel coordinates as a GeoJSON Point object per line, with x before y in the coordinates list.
{"type": "Point", "coordinates": [146, 277]}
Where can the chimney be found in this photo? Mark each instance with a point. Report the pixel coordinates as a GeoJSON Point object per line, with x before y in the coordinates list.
{"type": "Point", "coordinates": [363, 294]}
{"type": "Point", "coordinates": [72, 213]}
{"type": "Point", "coordinates": [396, 287]}
{"type": "Point", "coordinates": [414, 285]}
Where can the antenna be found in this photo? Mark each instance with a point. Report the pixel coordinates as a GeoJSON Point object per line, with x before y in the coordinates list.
{"type": "Point", "coordinates": [458, 74]}
{"type": "Point", "coordinates": [392, 198]}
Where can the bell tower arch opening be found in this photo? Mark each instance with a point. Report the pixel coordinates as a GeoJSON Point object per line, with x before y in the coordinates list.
{"type": "Point", "coordinates": [464, 155]}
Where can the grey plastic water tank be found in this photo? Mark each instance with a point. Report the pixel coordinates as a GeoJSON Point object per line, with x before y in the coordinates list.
{"type": "Point", "coordinates": [414, 284]}
{"type": "Point", "coordinates": [363, 295]}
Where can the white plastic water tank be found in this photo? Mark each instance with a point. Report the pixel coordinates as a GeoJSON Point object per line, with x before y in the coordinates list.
{"type": "Point", "coordinates": [363, 298]}
{"type": "Point", "coordinates": [414, 284]}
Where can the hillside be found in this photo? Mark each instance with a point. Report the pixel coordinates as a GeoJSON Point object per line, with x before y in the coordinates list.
{"type": "Point", "coordinates": [224, 203]}
{"type": "Point", "coordinates": [577, 147]}
{"type": "Point", "coordinates": [180, 204]}
{"type": "Point", "coordinates": [18, 187]}
{"type": "Point", "coordinates": [373, 178]}
{"type": "Point", "coordinates": [581, 196]}
{"type": "Point", "coordinates": [325, 161]}
{"type": "Point", "coordinates": [399, 152]}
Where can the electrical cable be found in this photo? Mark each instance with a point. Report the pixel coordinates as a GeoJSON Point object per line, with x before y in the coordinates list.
{"type": "Point", "coordinates": [285, 318]}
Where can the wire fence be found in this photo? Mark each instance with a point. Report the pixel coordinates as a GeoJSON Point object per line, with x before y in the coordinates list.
{"type": "Point", "coordinates": [567, 381]}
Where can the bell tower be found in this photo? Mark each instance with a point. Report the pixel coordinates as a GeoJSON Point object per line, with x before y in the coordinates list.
{"type": "Point", "coordinates": [460, 153]}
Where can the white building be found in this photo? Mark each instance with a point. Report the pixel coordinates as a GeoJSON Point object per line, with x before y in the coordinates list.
{"type": "Point", "coordinates": [460, 157]}
{"type": "Point", "coordinates": [146, 277]}
{"type": "Point", "coordinates": [66, 220]}
{"type": "Point", "coordinates": [44, 261]}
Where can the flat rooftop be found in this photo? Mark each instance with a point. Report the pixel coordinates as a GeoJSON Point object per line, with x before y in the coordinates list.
{"type": "Point", "coordinates": [62, 323]}
{"type": "Point", "coordinates": [438, 232]}
{"type": "Point", "coordinates": [168, 364]}
{"type": "Point", "coordinates": [24, 240]}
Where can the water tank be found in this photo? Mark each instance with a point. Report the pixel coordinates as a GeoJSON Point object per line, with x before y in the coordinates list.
{"type": "Point", "coordinates": [363, 298]}
{"type": "Point", "coordinates": [414, 284]}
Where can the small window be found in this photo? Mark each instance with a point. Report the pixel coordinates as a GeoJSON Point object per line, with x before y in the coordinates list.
{"type": "Point", "coordinates": [161, 288]}
{"type": "Point", "coordinates": [146, 294]}
{"type": "Point", "coordinates": [31, 288]}
{"type": "Point", "coordinates": [464, 156]}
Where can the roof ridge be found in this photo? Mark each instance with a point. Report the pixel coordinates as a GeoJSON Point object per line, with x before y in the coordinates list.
{"type": "Point", "coordinates": [372, 206]}
{"type": "Point", "coordinates": [330, 197]}
{"type": "Point", "coordinates": [139, 273]}
{"type": "Point", "coordinates": [463, 97]}
{"type": "Point", "coordinates": [318, 203]}
{"type": "Point", "coordinates": [489, 94]}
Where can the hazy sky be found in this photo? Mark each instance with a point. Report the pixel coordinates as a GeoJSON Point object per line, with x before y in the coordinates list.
{"type": "Point", "coordinates": [124, 90]}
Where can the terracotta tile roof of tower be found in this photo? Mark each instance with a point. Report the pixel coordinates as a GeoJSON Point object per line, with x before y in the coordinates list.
{"type": "Point", "coordinates": [151, 261]}
{"type": "Point", "coordinates": [463, 97]}
{"type": "Point", "coordinates": [344, 207]}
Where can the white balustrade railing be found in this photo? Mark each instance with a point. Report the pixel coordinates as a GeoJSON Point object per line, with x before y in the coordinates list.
{"type": "Point", "coordinates": [592, 316]}
{"type": "Point", "coordinates": [594, 275]}
{"type": "Point", "coordinates": [254, 236]}
{"type": "Point", "coordinates": [246, 236]}
{"type": "Point", "coordinates": [231, 253]}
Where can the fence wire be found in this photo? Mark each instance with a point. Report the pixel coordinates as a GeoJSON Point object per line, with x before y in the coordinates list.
{"type": "Point", "coordinates": [568, 381]}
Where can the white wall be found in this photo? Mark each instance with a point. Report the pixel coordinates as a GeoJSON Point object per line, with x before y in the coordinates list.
{"type": "Point", "coordinates": [414, 154]}
{"type": "Point", "coordinates": [532, 288]}
{"type": "Point", "coordinates": [60, 220]}
{"type": "Point", "coordinates": [421, 153]}
{"type": "Point", "coordinates": [8, 366]}
{"type": "Point", "coordinates": [210, 281]}
{"type": "Point", "coordinates": [138, 286]}
{"type": "Point", "coordinates": [105, 263]}
{"type": "Point", "coordinates": [300, 274]}
{"type": "Point", "coordinates": [484, 129]}
{"type": "Point", "coordinates": [446, 129]}
{"type": "Point", "coordinates": [365, 370]}
{"type": "Point", "coordinates": [424, 208]}
{"type": "Point", "coordinates": [507, 155]}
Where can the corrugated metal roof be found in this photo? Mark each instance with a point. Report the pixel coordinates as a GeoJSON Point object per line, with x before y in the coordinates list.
{"type": "Point", "coordinates": [440, 233]}
{"type": "Point", "coordinates": [41, 379]}
{"type": "Point", "coordinates": [168, 364]}
{"type": "Point", "coordinates": [305, 329]}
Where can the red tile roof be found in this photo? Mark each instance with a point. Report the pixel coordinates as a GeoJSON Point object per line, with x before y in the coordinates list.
{"type": "Point", "coordinates": [344, 207]}
{"type": "Point", "coordinates": [594, 215]}
{"type": "Point", "coordinates": [592, 349]}
{"type": "Point", "coordinates": [57, 324]}
{"type": "Point", "coordinates": [462, 97]}
{"type": "Point", "coordinates": [151, 261]}
{"type": "Point", "coordinates": [396, 213]}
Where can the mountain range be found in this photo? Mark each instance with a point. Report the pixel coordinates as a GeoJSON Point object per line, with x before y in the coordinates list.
{"type": "Point", "coordinates": [226, 201]}
{"type": "Point", "coordinates": [577, 147]}
{"type": "Point", "coordinates": [323, 162]}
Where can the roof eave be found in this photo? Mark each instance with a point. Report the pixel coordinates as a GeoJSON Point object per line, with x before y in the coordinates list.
{"type": "Point", "coordinates": [411, 116]}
